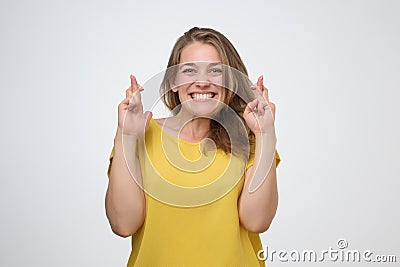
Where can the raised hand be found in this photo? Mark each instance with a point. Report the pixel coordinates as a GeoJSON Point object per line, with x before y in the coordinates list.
{"type": "Point", "coordinates": [131, 119]}
{"type": "Point", "coordinates": [260, 113]}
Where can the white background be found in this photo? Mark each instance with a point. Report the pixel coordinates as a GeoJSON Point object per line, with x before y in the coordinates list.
{"type": "Point", "coordinates": [331, 68]}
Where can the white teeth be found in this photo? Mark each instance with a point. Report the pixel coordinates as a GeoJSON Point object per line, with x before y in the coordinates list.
{"type": "Point", "coordinates": [202, 96]}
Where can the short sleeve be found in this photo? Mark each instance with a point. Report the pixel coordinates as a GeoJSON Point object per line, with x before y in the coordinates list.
{"type": "Point", "coordinates": [110, 161]}
{"type": "Point", "coordinates": [277, 158]}
{"type": "Point", "coordinates": [250, 162]}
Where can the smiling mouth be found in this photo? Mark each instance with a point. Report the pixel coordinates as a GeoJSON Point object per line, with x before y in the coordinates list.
{"type": "Point", "coordinates": [202, 96]}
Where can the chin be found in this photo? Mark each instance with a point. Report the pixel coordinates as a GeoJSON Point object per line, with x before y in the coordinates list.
{"type": "Point", "coordinates": [208, 110]}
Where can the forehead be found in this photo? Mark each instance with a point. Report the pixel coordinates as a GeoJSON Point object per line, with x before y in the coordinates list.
{"type": "Point", "coordinates": [197, 51]}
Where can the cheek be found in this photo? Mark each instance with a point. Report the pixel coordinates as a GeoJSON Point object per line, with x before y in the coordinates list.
{"type": "Point", "coordinates": [216, 80]}
{"type": "Point", "coordinates": [181, 88]}
{"type": "Point", "coordinates": [181, 80]}
{"type": "Point", "coordinates": [182, 91]}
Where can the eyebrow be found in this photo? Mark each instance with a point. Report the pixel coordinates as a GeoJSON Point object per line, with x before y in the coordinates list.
{"type": "Point", "coordinates": [192, 64]}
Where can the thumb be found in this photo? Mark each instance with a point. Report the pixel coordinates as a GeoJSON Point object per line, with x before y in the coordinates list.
{"type": "Point", "coordinates": [250, 107]}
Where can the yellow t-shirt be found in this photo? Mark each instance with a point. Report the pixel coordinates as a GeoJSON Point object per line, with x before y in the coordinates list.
{"type": "Point", "coordinates": [191, 206]}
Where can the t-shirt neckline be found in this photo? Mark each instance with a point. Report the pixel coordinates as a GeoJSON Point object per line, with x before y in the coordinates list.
{"type": "Point", "coordinates": [175, 138]}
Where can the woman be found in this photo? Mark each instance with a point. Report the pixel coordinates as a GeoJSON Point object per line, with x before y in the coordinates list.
{"type": "Point", "coordinates": [204, 203]}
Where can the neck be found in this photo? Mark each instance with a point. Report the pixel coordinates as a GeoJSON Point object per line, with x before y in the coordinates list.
{"type": "Point", "coordinates": [191, 128]}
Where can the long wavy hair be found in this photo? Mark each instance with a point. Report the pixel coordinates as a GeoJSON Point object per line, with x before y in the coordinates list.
{"type": "Point", "coordinates": [238, 90]}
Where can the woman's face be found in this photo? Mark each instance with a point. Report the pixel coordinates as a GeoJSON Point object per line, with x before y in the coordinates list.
{"type": "Point", "coordinates": [199, 80]}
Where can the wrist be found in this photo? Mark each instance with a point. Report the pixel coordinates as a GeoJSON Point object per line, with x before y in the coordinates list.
{"type": "Point", "coordinates": [270, 132]}
{"type": "Point", "coordinates": [265, 136]}
{"type": "Point", "coordinates": [120, 135]}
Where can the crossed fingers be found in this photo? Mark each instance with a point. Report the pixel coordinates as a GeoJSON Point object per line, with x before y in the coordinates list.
{"type": "Point", "coordinates": [262, 98]}
{"type": "Point", "coordinates": [133, 94]}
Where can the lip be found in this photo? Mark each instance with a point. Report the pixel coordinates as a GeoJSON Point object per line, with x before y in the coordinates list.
{"type": "Point", "coordinates": [203, 92]}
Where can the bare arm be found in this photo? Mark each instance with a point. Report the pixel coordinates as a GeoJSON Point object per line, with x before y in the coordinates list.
{"type": "Point", "coordinates": [258, 201]}
{"type": "Point", "coordinates": [257, 209]}
{"type": "Point", "coordinates": [125, 201]}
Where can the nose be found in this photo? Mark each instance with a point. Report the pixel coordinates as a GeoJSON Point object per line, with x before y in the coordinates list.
{"type": "Point", "coordinates": [202, 84]}
{"type": "Point", "coordinates": [202, 80]}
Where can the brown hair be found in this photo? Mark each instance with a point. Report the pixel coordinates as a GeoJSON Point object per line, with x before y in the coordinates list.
{"type": "Point", "coordinates": [236, 80]}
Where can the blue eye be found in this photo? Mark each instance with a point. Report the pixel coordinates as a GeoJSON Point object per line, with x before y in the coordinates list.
{"type": "Point", "coordinates": [188, 70]}
{"type": "Point", "coordinates": [216, 70]}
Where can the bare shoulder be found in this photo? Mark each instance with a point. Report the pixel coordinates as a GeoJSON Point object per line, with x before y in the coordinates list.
{"type": "Point", "coordinates": [168, 126]}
